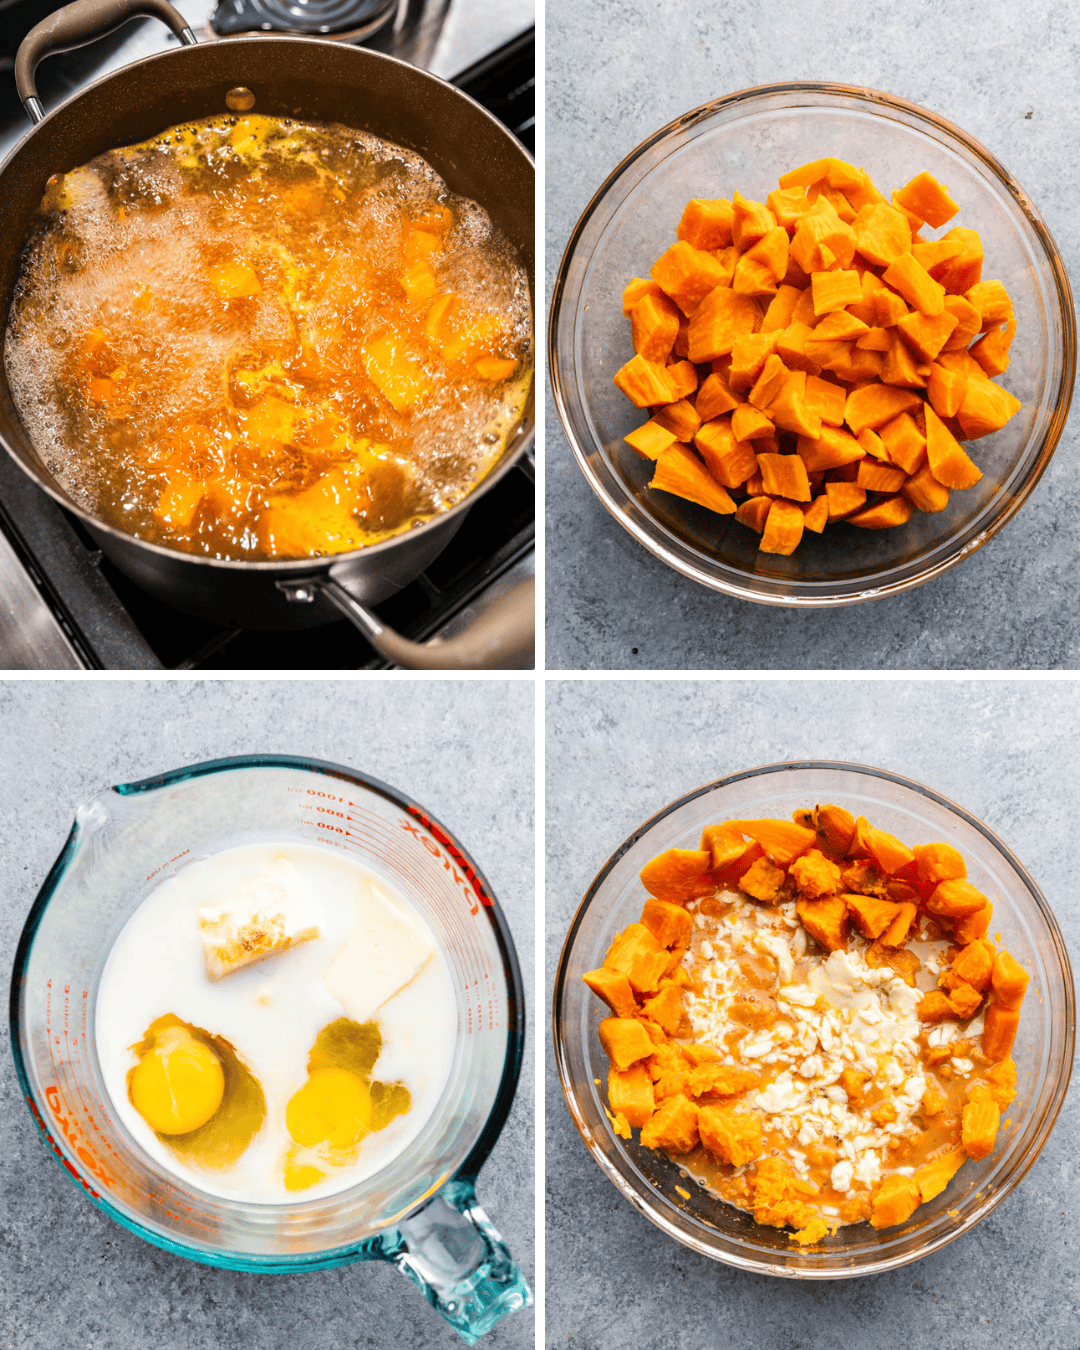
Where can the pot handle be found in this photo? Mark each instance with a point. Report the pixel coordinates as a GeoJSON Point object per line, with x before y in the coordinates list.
{"type": "Point", "coordinates": [77, 24]}
{"type": "Point", "coordinates": [455, 1257]}
{"type": "Point", "coordinates": [502, 638]}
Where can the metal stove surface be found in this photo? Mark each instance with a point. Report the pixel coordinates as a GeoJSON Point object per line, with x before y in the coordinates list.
{"type": "Point", "coordinates": [65, 607]}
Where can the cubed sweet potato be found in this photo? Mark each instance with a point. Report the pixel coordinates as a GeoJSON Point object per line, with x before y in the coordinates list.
{"type": "Point", "coordinates": [670, 924]}
{"type": "Point", "coordinates": [666, 1007]}
{"type": "Point", "coordinates": [673, 1127]}
{"type": "Point", "coordinates": [731, 1134]}
{"type": "Point", "coordinates": [639, 956]}
{"type": "Point", "coordinates": [896, 1200]}
{"type": "Point", "coordinates": [826, 921]}
{"type": "Point", "coordinates": [630, 1094]}
{"type": "Point", "coordinates": [671, 875]}
{"type": "Point", "coordinates": [979, 1127]}
{"type": "Point", "coordinates": [614, 988]}
{"type": "Point", "coordinates": [625, 1041]}
{"type": "Point", "coordinates": [1009, 980]}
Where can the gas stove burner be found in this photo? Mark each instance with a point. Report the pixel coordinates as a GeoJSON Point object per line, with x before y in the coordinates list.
{"type": "Point", "coordinates": [349, 20]}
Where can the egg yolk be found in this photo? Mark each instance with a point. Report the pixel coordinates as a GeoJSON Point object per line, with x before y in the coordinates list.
{"type": "Point", "coordinates": [178, 1084]}
{"type": "Point", "coordinates": [333, 1108]}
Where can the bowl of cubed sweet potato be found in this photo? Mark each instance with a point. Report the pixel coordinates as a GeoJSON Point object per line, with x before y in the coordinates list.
{"type": "Point", "coordinates": [814, 1020]}
{"type": "Point", "coordinates": [812, 344]}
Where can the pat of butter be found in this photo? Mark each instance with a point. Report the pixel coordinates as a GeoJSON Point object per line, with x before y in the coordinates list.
{"type": "Point", "coordinates": [385, 950]}
{"type": "Point", "coordinates": [266, 914]}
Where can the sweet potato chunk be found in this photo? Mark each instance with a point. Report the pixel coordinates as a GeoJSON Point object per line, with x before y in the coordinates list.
{"type": "Point", "coordinates": [722, 1080]}
{"type": "Point", "coordinates": [706, 224]}
{"type": "Point", "coordinates": [955, 899]}
{"type": "Point", "coordinates": [639, 956]}
{"type": "Point", "coordinates": [934, 1176]}
{"type": "Point", "coordinates": [782, 840]}
{"type": "Point", "coordinates": [973, 964]}
{"type": "Point", "coordinates": [999, 1031]}
{"type": "Point", "coordinates": [730, 1134]}
{"type": "Point", "coordinates": [870, 915]}
{"type": "Point", "coordinates": [1009, 980]}
{"type": "Point", "coordinates": [673, 1127]}
{"type": "Point", "coordinates": [896, 934]}
{"type": "Point", "coordinates": [670, 924]}
{"type": "Point", "coordinates": [680, 472]}
{"type": "Point", "coordinates": [630, 1094]}
{"type": "Point", "coordinates": [979, 1127]}
{"type": "Point", "coordinates": [763, 881]}
{"type": "Point", "coordinates": [716, 324]}
{"type": "Point", "coordinates": [671, 875]}
{"type": "Point", "coordinates": [665, 1008]}
{"type": "Point", "coordinates": [825, 920]}
{"type": "Point", "coordinates": [897, 1198]}
{"type": "Point", "coordinates": [687, 274]}
{"type": "Point", "coordinates": [815, 875]}
{"type": "Point", "coordinates": [645, 383]}
{"type": "Point", "coordinates": [614, 988]}
{"type": "Point", "coordinates": [625, 1041]}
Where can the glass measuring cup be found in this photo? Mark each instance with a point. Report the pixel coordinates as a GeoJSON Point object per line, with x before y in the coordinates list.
{"type": "Point", "coordinates": [420, 1211]}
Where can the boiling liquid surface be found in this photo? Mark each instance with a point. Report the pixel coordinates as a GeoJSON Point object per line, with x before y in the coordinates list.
{"type": "Point", "coordinates": [256, 337]}
{"type": "Point", "coordinates": [271, 1014]}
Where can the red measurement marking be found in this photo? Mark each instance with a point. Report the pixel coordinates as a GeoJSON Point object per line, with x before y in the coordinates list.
{"type": "Point", "coordinates": [442, 838]}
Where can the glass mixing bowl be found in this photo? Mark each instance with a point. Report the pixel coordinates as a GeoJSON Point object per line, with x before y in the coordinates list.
{"type": "Point", "coordinates": [746, 141]}
{"type": "Point", "coordinates": [1043, 1050]}
{"type": "Point", "coordinates": [419, 1212]}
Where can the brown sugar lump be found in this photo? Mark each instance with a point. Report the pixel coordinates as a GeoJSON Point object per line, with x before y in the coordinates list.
{"type": "Point", "coordinates": [820, 324]}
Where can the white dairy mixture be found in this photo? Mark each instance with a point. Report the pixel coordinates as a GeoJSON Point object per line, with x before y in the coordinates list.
{"type": "Point", "coordinates": [840, 1014]}
{"type": "Point", "coordinates": [270, 1012]}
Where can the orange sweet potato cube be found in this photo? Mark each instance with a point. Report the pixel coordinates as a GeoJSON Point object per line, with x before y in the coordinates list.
{"type": "Point", "coordinates": [979, 1127]}
{"type": "Point", "coordinates": [669, 923]}
{"type": "Point", "coordinates": [715, 397]}
{"type": "Point", "coordinates": [973, 926]}
{"type": "Point", "coordinates": [999, 1031]}
{"type": "Point", "coordinates": [1002, 1082]}
{"type": "Point", "coordinates": [992, 301]}
{"type": "Point", "coordinates": [614, 988]}
{"type": "Point", "coordinates": [939, 862]}
{"type": "Point", "coordinates": [835, 827]}
{"type": "Point", "coordinates": [874, 404]}
{"type": "Point", "coordinates": [816, 514]}
{"type": "Point", "coordinates": [965, 999]}
{"type": "Point", "coordinates": [783, 530]}
{"type": "Point", "coordinates": [1009, 980]}
{"type": "Point", "coordinates": [986, 408]}
{"type": "Point", "coordinates": [992, 350]}
{"type": "Point", "coordinates": [673, 1127]}
{"type": "Point", "coordinates": [916, 285]}
{"type": "Point", "coordinates": [830, 450]}
{"type": "Point", "coordinates": [754, 513]}
{"type": "Point", "coordinates": [871, 915]}
{"type": "Point", "coordinates": [730, 1134]}
{"type": "Point", "coordinates": [749, 355]}
{"type": "Point", "coordinates": [645, 383]}
{"type": "Point", "coordinates": [924, 491]}
{"type": "Point", "coordinates": [925, 336]}
{"type": "Point", "coordinates": [822, 240]}
{"type": "Point", "coordinates": [630, 1094]}
{"type": "Point", "coordinates": [763, 881]}
{"type": "Point", "coordinates": [665, 1008]}
{"type": "Point", "coordinates": [896, 1200]}
{"type": "Point", "coordinates": [706, 224]}
{"type": "Point", "coordinates": [882, 233]}
{"type": "Point", "coordinates": [935, 1007]}
{"type": "Point", "coordinates": [933, 1177]}
{"type": "Point", "coordinates": [751, 222]}
{"type": "Point", "coordinates": [782, 840]}
{"type": "Point", "coordinates": [844, 500]}
{"type": "Point", "coordinates": [679, 418]}
{"type": "Point", "coordinates": [826, 921]}
{"type": "Point", "coordinates": [687, 274]}
{"type": "Point", "coordinates": [654, 326]}
{"type": "Point", "coordinates": [769, 383]}
{"type": "Point", "coordinates": [625, 1041]}
{"type": "Point", "coordinates": [833, 290]}
{"type": "Point", "coordinates": [671, 875]}
{"type": "Point", "coordinates": [684, 378]}
{"type": "Point", "coordinates": [876, 477]}
{"type": "Point", "coordinates": [650, 440]}
{"type": "Point", "coordinates": [955, 899]}
{"type": "Point", "coordinates": [815, 874]}
{"type": "Point", "coordinates": [781, 307]}
{"type": "Point", "coordinates": [639, 956]}
{"type": "Point", "coordinates": [719, 320]}
{"type": "Point", "coordinates": [960, 272]}
{"type": "Point", "coordinates": [679, 471]}
{"type": "Point", "coordinates": [784, 476]}
{"type": "Point", "coordinates": [723, 844]}
{"type": "Point", "coordinates": [730, 461]}
{"type": "Point", "coordinates": [949, 462]}
{"type": "Point", "coordinates": [637, 288]}
{"type": "Point", "coordinates": [896, 934]}
{"type": "Point", "coordinates": [925, 197]}
{"type": "Point", "coordinates": [973, 964]}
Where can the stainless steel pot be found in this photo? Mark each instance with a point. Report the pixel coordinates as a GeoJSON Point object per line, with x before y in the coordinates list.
{"type": "Point", "coordinates": [289, 76]}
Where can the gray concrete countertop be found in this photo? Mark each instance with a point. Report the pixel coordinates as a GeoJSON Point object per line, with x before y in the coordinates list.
{"type": "Point", "coordinates": [69, 1277]}
{"type": "Point", "coordinates": [619, 751]}
{"type": "Point", "coordinates": [617, 70]}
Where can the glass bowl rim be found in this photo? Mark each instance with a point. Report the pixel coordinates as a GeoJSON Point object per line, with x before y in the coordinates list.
{"type": "Point", "coordinates": [688, 566]}
{"type": "Point", "coordinates": [642, 1200]}
{"type": "Point", "coordinates": [515, 996]}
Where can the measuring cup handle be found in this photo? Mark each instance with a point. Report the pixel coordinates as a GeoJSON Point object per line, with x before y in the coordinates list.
{"type": "Point", "coordinates": [451, 1252]}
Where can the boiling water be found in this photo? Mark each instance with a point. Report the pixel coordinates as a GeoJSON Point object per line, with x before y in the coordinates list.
{"type": "Point", "coordinates": [228, 339]}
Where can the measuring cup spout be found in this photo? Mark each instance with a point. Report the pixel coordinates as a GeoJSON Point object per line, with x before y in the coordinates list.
{"type": "Point", "coordinates": [453, 1254]}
